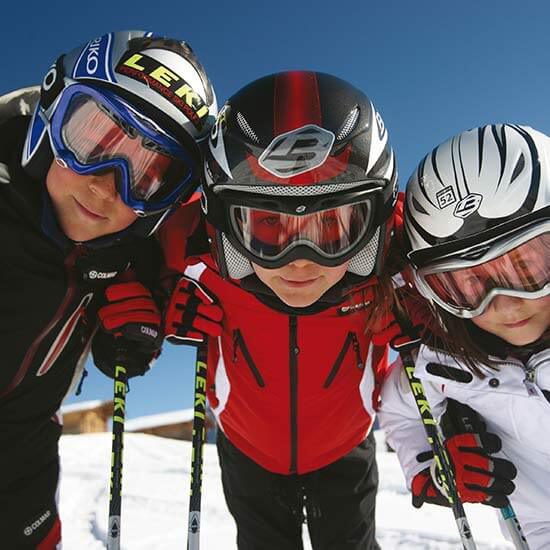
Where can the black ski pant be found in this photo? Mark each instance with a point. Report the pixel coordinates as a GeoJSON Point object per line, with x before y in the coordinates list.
{"type": "Point", "coordinates": [29, 475]}
{"type": "Point", "coordinates": [337, 501]}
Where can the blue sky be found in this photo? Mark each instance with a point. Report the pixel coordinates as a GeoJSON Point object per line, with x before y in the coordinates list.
{"type": "Point", "coordinates": [433, 68]}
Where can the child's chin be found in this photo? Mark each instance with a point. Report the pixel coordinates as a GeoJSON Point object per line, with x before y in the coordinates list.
{"type": "Point", "coordinates": [298, 301]}
{"type": "Point", "coordinates": [523, 340]}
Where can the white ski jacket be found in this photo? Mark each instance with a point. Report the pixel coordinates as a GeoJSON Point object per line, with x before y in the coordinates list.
{"type": "Point", "coordinates": [514, 407]}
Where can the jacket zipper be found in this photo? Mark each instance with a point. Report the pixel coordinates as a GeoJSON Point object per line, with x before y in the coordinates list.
{"type": "Point", "coordinates": [530, 375]}
{"type": "Point", "coordinates": [351, 340]}
{"type": "Point", "coordinates": [238, 342]}
{"type": "Point", "coordinates": [293, 364]}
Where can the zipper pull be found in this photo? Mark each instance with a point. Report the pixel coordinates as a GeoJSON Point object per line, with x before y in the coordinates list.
{"type": "Point", "coordinates": [82, 376]}
{"type": "Point", "coordinates": [357, 351]}
{"type": "Point", "coordinates": [529, 381]}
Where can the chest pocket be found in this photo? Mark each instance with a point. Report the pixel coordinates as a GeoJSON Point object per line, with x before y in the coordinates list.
{"type": "Point", "coordinates": [351, 345]}
{"type": "Point", "coordinates": [65, 334]}
{"type": "Point", "coordinates": [453, 382]}
{"type": "Point", "coordinates": [239, 344]}
{"type": "Point", "coordinates": [449, 373]}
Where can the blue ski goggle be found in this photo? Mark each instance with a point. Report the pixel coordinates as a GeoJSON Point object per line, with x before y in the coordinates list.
{"type": "Point", "coordinates": [93, 131]}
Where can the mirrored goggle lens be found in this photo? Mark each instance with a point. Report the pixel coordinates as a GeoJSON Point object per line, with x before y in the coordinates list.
{"type": "Point", "coordinates": [525, 269]}
{"type": "Point", "coordinates": [331, 232]}
{"type": "Point", "coordinates": [95, 135]}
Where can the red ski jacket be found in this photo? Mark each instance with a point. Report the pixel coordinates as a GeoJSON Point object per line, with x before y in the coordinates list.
{"type": "Point", "coordinates": [292, 392]}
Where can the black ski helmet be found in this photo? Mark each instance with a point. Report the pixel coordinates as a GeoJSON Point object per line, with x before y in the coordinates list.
{"type": "Point", "coordinates": [299, 142]}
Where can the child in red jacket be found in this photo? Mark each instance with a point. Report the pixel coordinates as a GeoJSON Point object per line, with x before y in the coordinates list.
{"type": "Point", "coordinates": [299, 200]}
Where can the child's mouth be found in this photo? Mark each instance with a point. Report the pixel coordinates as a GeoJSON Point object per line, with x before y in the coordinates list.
{"type": "Point", "coordinates": [298, 284]}
{"type": "Point", "coordinates": [90, 213]}
{"type": "Point", "coordinates": [518, 324]}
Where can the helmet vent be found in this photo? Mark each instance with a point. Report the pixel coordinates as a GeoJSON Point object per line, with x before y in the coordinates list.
{"type": "Point", "coordinates": [246, 129]}
{"type": "Point", "coordinates": [349, 124]}
{"type": "Point", "coordinates": [294, 190]}
{"type": "Point", "coordinates": [418, 207]}
{"type": "Point", "coordinates": [520, 165]}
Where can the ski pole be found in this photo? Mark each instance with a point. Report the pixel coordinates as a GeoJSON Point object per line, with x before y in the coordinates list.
{"type": "Point", "coordinates": [514, 528]}
{"type": "Point", "coordinates": [441, 457]}
{"type": "Point", "coordinates": [113, 525]}
{"type": "Point", "coordinates": [465, 416]}
{"type": "Point", "coordinates": [199, 415]}
{"type": "Point", "coordinates": [442, 461]}
{"type": "Point", "coordinates": [443, 464]}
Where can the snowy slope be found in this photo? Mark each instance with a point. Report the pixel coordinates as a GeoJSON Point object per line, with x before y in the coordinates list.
{"type": "Point", "coordinates": [156, 488]}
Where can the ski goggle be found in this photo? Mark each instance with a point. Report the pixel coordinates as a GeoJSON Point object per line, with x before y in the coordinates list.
{"type": "Point", "coordinates": [522, 271]}
{"type": "Point", "coordinates": [93, 131]}
{"type": "Point", "coordinates": [330, 234]}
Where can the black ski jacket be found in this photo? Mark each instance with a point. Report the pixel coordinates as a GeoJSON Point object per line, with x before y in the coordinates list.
{"type": "Point", "coordinates": [47, 310]}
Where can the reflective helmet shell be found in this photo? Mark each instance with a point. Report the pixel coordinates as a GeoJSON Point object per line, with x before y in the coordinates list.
{"type": "Point", "coordinates": [475, 187]}
{"type": "Point", "coordinates": [301, 134]}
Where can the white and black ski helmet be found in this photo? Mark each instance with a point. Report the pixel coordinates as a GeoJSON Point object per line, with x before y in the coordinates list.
{"type": "Point", "coordinates": [298, 142]}
{"type": "Point", "coordinates": [475, 188]}
{"type": "Point", "coordinates": [159, 78]}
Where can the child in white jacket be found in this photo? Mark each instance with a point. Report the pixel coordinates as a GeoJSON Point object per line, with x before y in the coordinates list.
{"type": "Point", "coordinates": [477, 221]}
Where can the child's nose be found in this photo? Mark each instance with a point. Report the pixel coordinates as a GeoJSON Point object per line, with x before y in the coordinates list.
{"type": "Point", "coordinates": [503, 304]}
{"type": "Point", "coordinates": [300, 263]}
{"type": "Point", "coordinates": [103, 186]}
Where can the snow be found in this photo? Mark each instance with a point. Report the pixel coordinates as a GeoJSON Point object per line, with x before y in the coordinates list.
{"type": "Point", "coordinates": [162, 419]}
{"type": "Point", "coordinates": [156, 494]}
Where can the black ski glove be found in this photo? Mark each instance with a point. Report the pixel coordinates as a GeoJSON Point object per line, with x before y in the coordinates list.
{"type": "Point", "coordinates": [130, 330]}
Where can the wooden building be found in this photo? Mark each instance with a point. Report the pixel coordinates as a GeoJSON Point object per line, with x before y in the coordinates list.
{"type": "Point", "coordinates": [87, 417]}
{"type": "Point", "coordinates": [175, 424]}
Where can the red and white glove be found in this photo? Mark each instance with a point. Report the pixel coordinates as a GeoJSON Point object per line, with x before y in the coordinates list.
{"type": "Point", "coordinates": [130, 323]}
{"type": "Point", "coordinates": [192, 315]}
{"type": "Point", "coordinates": [479, 476]}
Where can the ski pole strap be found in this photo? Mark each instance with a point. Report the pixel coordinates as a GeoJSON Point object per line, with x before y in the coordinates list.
{"type": "Point", "coordinates": [409, 339]}
{"type": "Point", "coordinates": [199, 417]}
{"type": "Point", "coordinates": [119, 399]}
